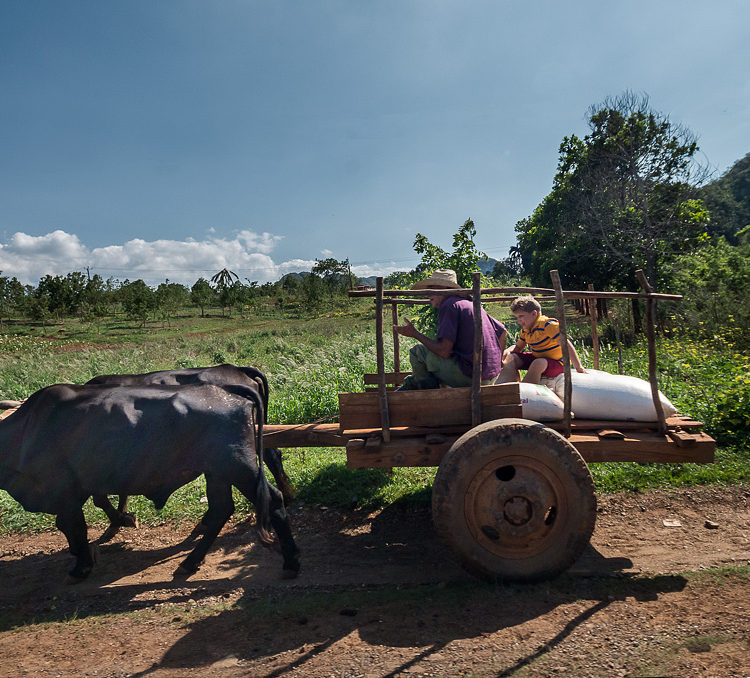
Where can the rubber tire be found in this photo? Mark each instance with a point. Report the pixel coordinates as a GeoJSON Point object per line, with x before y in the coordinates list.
{"type": "Point", "coordinates": [514, 500]}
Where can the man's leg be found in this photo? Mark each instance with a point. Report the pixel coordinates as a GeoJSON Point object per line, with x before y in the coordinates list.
{"type": "Point", "coordinates": [420, 376]}
{"type": "Point", "coordinates": [429, 370]}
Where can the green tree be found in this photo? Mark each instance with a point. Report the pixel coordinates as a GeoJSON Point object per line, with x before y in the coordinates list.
{"type": "Point", "coordinates": [170, 298]}
{"type": "Point", "coordinates": [624, 197]}
{"type": "Point", "coordinates": [138, 300]}
{"type": "Point", "coordinates": [334, 272]}
{"type": "Point", "coordinates": [463, 260]}
{"type": "Point", "coordinates": [716, 281]}
{"type": "Point", "coordinates": [11, 296]}
{"type": "Point", "coordinates": [202, 294]}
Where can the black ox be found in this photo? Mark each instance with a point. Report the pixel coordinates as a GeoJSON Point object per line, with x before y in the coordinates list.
{"type": "Point", "coordinates": [68, 442]}
{"type": "Point", "coordinates": [219, 375]}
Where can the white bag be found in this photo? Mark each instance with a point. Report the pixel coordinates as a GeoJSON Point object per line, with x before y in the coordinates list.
{"type": "Point", "coordinates": [539, 403]}
{"type": "Point", "coordinates": [619, 397]}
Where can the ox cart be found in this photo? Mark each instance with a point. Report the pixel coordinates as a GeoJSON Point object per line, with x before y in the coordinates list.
{"type": "Point", "coordinates": [512, 497]}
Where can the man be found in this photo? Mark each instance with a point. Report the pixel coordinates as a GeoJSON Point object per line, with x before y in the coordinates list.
{"type": "Point", "coordinates": [449, 358]}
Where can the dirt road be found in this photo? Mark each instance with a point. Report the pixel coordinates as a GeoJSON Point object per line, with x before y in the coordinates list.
{"type": "Point", "coordinates": [380, 596]}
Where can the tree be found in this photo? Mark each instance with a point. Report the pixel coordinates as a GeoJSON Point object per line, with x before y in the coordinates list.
{"type": "Point", "coordinates": [138, 300]}
{"type": "Point", "coordinates": [624, 197]}
{"type": "Point", "coordinates": [463, 260]}
{"type": "Point", "coordinates": [170, 298]}
{"type": "Point", "coordinates": [334, 272]}
{"type": "Point", "coordinates": [202, 294]}
{"type": "Point", "coordinates": [11, 296]}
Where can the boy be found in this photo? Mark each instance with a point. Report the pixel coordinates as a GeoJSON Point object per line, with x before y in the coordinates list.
{"type": "Point", "coordinates": [542, 336]}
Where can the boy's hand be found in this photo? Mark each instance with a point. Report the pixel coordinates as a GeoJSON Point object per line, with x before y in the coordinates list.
{"type": "Point", "coordinates": [581, 370]}
{"type": "Point", "coordinates": [407, 330]}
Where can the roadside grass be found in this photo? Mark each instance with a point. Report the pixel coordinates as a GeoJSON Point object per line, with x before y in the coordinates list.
{"type": "Point", "coordinates": [309, 361]}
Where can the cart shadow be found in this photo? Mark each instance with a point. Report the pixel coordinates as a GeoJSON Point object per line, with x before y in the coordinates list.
{"type": "Point", "coordinates": [437, 616]}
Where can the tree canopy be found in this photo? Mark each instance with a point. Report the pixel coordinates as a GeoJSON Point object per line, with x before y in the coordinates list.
{"type": "Point", "coordinates": [624, 197]}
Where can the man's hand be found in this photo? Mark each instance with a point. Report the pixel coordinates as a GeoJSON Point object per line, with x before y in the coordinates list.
{"type": "Point", "coordinates": [407, 330]}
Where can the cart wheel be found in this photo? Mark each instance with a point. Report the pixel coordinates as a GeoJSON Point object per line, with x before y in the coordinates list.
{"type": "Point", "coordinates": [515, 501]}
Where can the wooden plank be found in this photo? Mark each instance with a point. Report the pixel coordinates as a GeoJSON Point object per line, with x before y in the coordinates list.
{"type": "Point", "coordinates": [390, 377]}
{"type": "Point", "coordinates": [644, 447]}
{"type": "Point", "coordinates": [303, 435]}
{"type": "Point", "coordinates": [683, 438]}
{"type": "Point", "coordinates": [536, 291]}
{"type": "Point", "coordinates": [433, 407]}
{"type": "Point", "coordinates": [405, 452]}
{"type": "Point", "coordinates": [635, 447]}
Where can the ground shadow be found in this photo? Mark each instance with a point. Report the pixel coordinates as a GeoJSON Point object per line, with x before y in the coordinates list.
{"type": "Point", "coordinates": [438, 615]}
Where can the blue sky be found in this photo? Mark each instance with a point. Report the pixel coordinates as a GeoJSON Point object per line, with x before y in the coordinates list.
{"type": "Point", "coordinates": [171, 139]}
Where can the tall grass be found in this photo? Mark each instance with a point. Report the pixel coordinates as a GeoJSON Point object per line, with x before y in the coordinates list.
{"type": "Point", "coordinates": [309, 363]}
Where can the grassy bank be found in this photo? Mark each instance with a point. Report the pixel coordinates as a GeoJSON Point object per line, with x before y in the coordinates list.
{"type": "Point", "coordinates": [309, 362]}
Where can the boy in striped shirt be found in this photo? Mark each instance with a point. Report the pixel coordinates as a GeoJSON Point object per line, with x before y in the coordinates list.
{"type": "Point", "coordinates": [540, 335]}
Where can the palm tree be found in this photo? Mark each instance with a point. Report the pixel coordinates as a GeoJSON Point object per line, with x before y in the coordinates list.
{"type": "Point", "coordinates": [224, 278]}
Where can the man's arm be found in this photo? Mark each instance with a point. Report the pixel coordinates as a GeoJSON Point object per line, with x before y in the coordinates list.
{"type": "Point", "coordinates": [443, 347]}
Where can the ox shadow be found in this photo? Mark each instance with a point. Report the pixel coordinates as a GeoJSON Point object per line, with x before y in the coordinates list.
{"type": "Point", "coordinates": [36, 588]}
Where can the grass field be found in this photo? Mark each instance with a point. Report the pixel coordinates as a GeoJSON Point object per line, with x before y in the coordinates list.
{"type": "Point", "coordinates": [309, 361]}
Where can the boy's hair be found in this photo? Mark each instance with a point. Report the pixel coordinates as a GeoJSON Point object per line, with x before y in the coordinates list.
{"type": "Point", "coordinates": [526, 304]}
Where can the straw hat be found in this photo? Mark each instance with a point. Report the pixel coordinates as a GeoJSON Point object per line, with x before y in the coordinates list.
{"type": "Point", "coordinates": [442, 277]}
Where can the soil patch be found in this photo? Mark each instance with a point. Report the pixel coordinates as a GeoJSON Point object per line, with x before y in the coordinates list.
{"type": "Point", "coordinates": [379, 595]}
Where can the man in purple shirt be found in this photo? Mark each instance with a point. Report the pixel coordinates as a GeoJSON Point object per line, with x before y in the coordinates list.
{"type": "Point", "coordinates": [448, 359]}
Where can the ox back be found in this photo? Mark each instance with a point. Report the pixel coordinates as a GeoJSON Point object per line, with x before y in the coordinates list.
{"type": "Point", "coordinates": [68, 442]}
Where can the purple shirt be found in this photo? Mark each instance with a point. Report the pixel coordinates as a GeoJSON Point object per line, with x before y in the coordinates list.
{"type": "Point", "coordinates": [456, 323]}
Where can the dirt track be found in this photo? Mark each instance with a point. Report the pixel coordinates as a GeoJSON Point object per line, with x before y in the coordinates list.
{"type": "Point", "coordinates": [380, 596]}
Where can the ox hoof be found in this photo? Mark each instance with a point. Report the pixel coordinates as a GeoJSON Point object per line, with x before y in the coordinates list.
{"type": "Point", "coordinates": [185, 569]}
{"type": "Point", "coordinates": [128, 520]}
{"type": "Point", "coordinates": [289, 574]}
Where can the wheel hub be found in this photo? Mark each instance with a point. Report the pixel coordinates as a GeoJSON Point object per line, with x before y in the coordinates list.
{"type": "Point", "coordinates": [518, 510]}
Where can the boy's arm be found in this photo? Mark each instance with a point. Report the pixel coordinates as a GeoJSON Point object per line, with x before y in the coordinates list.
{"type": "Point", "coordinates": [574, 359]}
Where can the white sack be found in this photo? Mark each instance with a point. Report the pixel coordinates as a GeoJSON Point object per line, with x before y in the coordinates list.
{"type": "Point", "coordinates": [619, 397]}
{"type": "Point", "coordinates": [539, 403]}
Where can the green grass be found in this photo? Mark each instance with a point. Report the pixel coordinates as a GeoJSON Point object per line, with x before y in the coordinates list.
{"type": "Point", "coordinates": [309, 361]}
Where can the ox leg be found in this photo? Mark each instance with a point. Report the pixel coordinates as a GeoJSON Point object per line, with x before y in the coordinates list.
{"type": "Point", "coordinates": [73, 525]}
{"type": "Point", "coordinates": [117, 516]}
{"type": "Point", "coordinates": [220, 508]}
{"type": "Point", "coordinates": [279, 521]}
{"type": "Point", "coordinates": [273, 459]}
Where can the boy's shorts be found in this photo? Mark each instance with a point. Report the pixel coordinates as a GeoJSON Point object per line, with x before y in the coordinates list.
{"type": "Point", "coordinates": [554, 367]}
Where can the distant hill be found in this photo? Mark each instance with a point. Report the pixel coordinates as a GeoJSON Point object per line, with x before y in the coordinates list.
{"type": "Point", "coordinates": [728, 200]}
{"type": "Point", "coordinates": [486, 266]}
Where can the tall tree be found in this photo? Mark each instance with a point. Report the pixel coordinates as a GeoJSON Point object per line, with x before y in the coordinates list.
{"type": "Point", "coordinates": [624, 197]}
{"type": "Point", "coordinates": [464, 259]}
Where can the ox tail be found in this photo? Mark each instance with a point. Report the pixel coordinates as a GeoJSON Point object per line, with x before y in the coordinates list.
{"type": "Point", "coordinates": [263, 490]}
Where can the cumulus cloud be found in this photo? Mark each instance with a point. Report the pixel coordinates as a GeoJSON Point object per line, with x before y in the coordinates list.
{"type": "Point", "coordinates": [248, 254]}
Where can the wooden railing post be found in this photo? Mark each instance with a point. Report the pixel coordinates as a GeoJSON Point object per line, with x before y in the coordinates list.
{"type": "Point", "coordinates": [476, 380]}
{"type": "Point", "coordinates": [396, 343]}
{"type": "Point", "coordinates": [382, 393]}
{"type": "Point", "coordinates": [565, 354]}
{"type": "Point", "coordinates": [651, 337]}
{"type": "Point", "coordinates": [593, 310]}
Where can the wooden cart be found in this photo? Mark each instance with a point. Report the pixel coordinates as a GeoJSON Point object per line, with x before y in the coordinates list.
{"type": "Point", "coordinates": [512, 497]}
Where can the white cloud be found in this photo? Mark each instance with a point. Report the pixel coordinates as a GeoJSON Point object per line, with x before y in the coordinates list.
{"type": "Point", "coordinates": [57, 253]}
{"type": "Point", "coordinates": [326, 253]}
